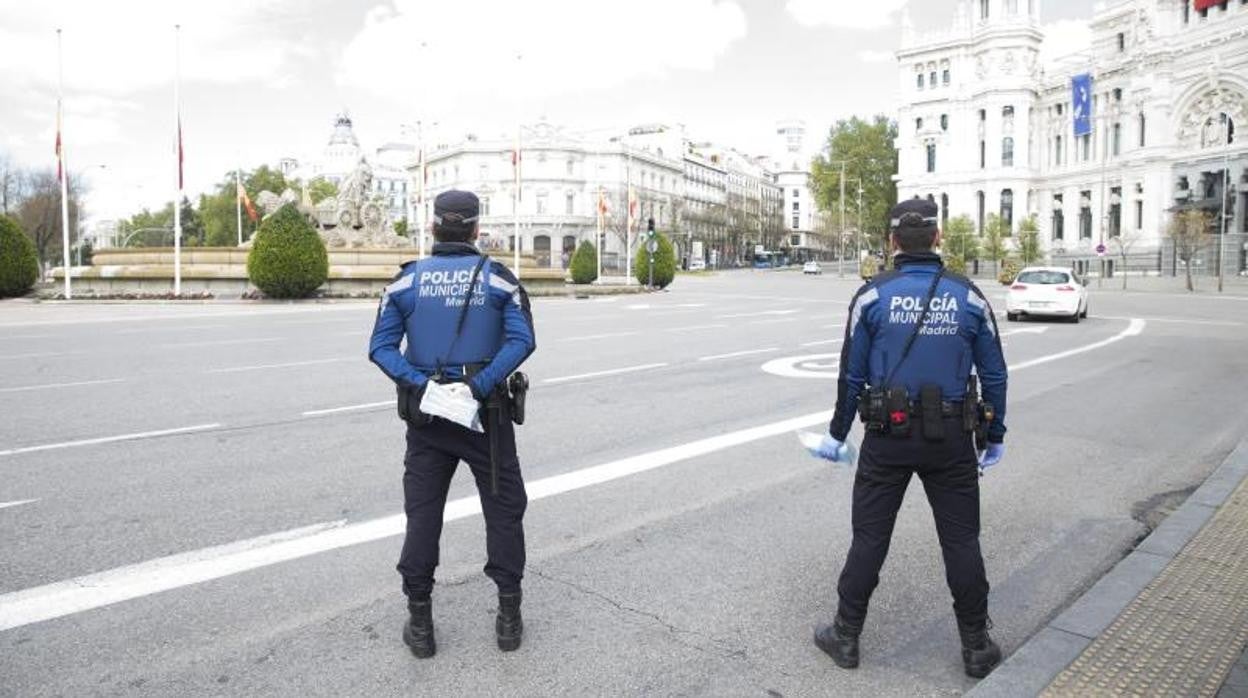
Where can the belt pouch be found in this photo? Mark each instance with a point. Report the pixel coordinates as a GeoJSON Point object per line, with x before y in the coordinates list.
{"type": "Point", "coordinates": [930, 398]}
{"type": "Point", "coordinates": [409, 397]}
{"type": "Point", "coordinates": [897, 402]}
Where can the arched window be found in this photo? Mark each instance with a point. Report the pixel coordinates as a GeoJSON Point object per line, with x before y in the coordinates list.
{"type": "Point", "coordinates": [1007, 210]}
{"type": "Point", "coordinates": [931, 157]}
{"type": "Point", "coordinates": [1059, 218]}
{"type": "Point", "coordinates": [1007, 151]}
{"type": "Point", "coordinates": [944, 122]}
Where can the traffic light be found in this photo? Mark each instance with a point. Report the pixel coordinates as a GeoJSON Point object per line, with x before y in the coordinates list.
{"type": "Point", "coordinates": [650, 227]}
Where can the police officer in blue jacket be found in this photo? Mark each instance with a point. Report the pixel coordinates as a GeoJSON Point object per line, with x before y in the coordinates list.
{"type": "Point", "coordinates": [466, 319]}
{"type": "Point", "coordinates": [913, 337]}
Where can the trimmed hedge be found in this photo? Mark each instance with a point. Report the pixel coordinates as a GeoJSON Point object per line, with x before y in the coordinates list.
{"type": "Point", "coordinates": [584, 266]}
{"type": "Point", "coordinates": [19, 264]}
{"type": "Point", "coordinates": [664, 263]}
{"type": "Point", "coordinates": [288, 258]}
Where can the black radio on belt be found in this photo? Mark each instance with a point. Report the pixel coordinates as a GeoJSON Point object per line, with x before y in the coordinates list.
{"type": "Point", "coordinates": [873, 411]}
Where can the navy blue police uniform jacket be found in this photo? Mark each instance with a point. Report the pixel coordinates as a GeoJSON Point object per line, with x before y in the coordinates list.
{"type": "Point", "coordinates": [959, 334]}
{"type": "Point", "coordinates": [423, 304]}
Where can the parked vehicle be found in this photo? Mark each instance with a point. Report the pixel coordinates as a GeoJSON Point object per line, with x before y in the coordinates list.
{"type": "Point", "coordinates": [812, 267]}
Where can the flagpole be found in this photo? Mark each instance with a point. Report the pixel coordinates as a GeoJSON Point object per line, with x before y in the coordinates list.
{"type": "Point", "coordinates": [628, 220]}
{"type": "Point", "coordinates": [598, 241]}
{"type": "Point", "coordinates": [60, 168]}
{"type": "Point", "coordinates": [516, 224]}
{"type": "Point", "coordinates": [238, 202]}
{"type": "Point", "coordinates": [177, 199]}
{"type": "Point", "coordinates": [424, 208]}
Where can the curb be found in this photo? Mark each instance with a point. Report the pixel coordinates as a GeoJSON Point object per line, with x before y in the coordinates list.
{"type": "Point", "coordinates": [1035, 664]}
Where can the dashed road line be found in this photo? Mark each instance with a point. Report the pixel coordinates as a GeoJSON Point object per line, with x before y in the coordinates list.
{"type": "Point", "coordinates": [49, 386]}
{"type": "Point", "coordinates": [348, 408]}
{"type": "Point", "coordinates": [18, 503]}
{"type": "Point", "coordinates": [735, 354]}
{"type": "Point", "coordinates": [600, 374]}
{"type": "Point", "coordinates": [219, 342]}
{"type": "Point", "coordinates": [761, 313]}
{"type": "Point", "coordinates": [109, 439]}
{"type": "Point", "coordinates": [289, 364]}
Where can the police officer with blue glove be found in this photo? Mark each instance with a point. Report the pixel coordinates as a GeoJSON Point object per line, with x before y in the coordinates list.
{"type": "Point", "coordinates": [913, 337]}
{"type": "Point", "coordinates": [468, 327]}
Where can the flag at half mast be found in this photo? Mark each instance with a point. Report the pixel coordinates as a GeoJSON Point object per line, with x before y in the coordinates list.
{"type": "Point", "coordinates": [60, 150]}
{"type": "Point", "coordinates": [251, 209]}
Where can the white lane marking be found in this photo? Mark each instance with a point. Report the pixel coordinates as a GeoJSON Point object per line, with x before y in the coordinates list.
{"type": "Point", "coordinates": [689, 305]}
{"type": "Point", "coordinates": [820, 366]}
{"type": "Point", "coordinates": [1182, 321]}
{"type": "Point", "coordinates": [92, 591]}
{"type": "Point", "coordinates": [749, 352]}
{"type": "Point", "coordinates": [41, 354]}
{"type": "Point", "coordinates": [821, 342]}
{"type": "Point", "coordinates": [597, 374]}
{"type": "Point", "coordinates": [1025, 330]}
{"type": "Point", "coordinates": [147, 330]}
{"type": "Point", "coordinates": [219, 342]}
{"type": "Point", "coordinates": [773, 321]}
{"type": "Point", "coordinates": [18, 503]}
{"type": "Point", "coordinates": [608, 335]}
{"type": "Point", "coordinates": [348, 408]}
{"type": "Point", "coordinates": [757, 314]}
{"type": "Point", "coordinates": [693, 328]}
{"type": "Point", "coordinates": [109, 439]}
{"type": "Point", "coordinates": [638, 306]}
{"type": "Point", "coordinates": [289, 364]}
{"type": "Point", "coordinates": [23, 388]}
{"type": "Point", "coordinates": [1136, 327]}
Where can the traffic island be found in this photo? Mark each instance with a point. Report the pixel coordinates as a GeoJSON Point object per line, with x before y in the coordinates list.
{"type": "Point", "coordinates": [1169, 619]}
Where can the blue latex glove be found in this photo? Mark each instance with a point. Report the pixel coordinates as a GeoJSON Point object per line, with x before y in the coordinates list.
{"type": "Point", "coordinates": [991, 457]}
{"type": "Point", "coordinates": [834, 450]}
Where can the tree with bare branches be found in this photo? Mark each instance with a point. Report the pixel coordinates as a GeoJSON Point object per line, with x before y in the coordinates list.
{"type": "Point", "coordinates": [1190, 232]}
{"type": "Point", "coordinates": [1124, 242]}
{"type": "Point", "coordinates": [40, 214]}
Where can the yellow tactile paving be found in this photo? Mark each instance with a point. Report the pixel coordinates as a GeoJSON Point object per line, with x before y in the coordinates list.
{"type": "Point", "coordinates": [1184, 632]}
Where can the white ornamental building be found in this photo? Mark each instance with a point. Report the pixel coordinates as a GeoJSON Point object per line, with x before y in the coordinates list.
{"type": "Point", "coordinates": [986, 126]}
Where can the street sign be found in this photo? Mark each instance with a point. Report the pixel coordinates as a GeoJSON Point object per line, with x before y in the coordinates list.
{"type": "Point", "coordinates": [1100, 250]}
{"type": "Point", "coordinates": [652, 246]}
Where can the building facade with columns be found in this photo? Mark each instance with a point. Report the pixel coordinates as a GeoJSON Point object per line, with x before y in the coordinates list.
{"type": "Point", "coordinates": [711, 201]}
{"type": "Point", "coordinates": [986, 126]}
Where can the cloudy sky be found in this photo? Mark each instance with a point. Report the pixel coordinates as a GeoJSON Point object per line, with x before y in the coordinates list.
{"type": "Point", "coordinates": [262, 79]}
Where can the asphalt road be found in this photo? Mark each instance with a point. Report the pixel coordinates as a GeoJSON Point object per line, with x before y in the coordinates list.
{"type": "Point", "coordinates": [227, 478]}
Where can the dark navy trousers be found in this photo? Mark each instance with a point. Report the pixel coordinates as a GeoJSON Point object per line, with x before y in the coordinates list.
{"type": "Point", "coordinates": [433, 452]}
{"type": "Point", "coordinates": [950, 475]}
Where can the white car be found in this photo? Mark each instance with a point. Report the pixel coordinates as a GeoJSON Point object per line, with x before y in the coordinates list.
{"type": "Point", "coordinates": [1047, 291]}
{"type": "Point", "coordinates": [812, 267]}
{"type": "Point", "coordinates": [697, 265]}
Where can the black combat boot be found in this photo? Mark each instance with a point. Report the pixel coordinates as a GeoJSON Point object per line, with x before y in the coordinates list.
{"type": "Point", "coordinates": [508, 625]}
{"type": "Point", "coordinates": [418, 632]}
{"type": "Point", "coordinates": [839, 640]}
{"type": "Point", "coordinates": [980, 655]}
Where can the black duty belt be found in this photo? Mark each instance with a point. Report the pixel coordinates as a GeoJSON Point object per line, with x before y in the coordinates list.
{"type": "Point", "coordinates": [947, 409]}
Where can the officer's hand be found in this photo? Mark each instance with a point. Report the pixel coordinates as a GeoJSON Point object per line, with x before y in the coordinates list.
{"type": "Point", "coordinates": [991, 457]}
{"type": "Point", "coordinates": [831, 449]}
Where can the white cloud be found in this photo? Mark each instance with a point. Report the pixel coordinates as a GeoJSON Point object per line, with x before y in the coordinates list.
{"type": "Point", "coordinates": [435, 52]}
{"type": "Point", "coordinates": [119, 48]}
{"type": "Point", "coordinates": [849, 14]}
{"type": "Point", "coordinates": [1064, 37]}
{"type": "Point", "coordinates": [869, 56]}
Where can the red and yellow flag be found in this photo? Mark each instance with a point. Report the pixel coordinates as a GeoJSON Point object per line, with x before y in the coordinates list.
{"type": "Point", "coordinates": [251, 210]}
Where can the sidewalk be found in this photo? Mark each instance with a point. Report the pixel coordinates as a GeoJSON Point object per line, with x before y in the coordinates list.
{"type": "Point", "coordinates": [1171, 619]}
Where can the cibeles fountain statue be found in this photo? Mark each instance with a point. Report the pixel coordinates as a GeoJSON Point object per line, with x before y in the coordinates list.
{"type": "Point", "coordinates": [355, 218]}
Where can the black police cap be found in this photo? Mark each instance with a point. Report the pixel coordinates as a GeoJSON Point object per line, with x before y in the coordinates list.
{"type": "Point", "coordinates": [456, 208]}
{"type": "Point", "coordinates": [914, 213]}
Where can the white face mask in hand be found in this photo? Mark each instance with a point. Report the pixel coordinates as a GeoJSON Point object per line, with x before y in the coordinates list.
{"type": "Point", "coordinates": [453, 402]}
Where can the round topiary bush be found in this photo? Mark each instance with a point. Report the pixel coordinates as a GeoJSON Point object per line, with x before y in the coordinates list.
{"type": "Point", "coordinates": [19, 265]}
{"type": "Point", "coordinates": [956, 265]}
{"type": "Point", "coordinates": [584, 265]}
{"type": "Point", "coordinates": [664, 263]}
{"type": "Point", "coordinates": [288, 258]}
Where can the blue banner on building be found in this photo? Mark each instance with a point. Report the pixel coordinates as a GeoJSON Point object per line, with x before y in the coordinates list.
{"type": "Point", "coordinates": [1081, 101]}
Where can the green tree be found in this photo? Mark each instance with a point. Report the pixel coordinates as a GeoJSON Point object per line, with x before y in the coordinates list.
{"type": "Point", "coordinates": [1029, 250]}
{"type": "Point", "coordinates": [19, 263]}
{"type": "Point", "coordinates": [320, 189]}
{"type": "Point", "coordinates": [584, 266]}
{"type": "Point", "coordinates": [219, 213]}
{"type": "Point", "coordinates": [994, 241]}
{"type": "Point", "coordinates": [265, 178]}
{"type": "Point", "coordinates": [400, 227]}
{"type": "Point", "coordinates": [959, 244]}
{"type": "Point", "coordinates": [288, 258]}
{"type": "Point", "coordinates": [868, 151]}
{"type": "Point", "coordinates": [664, 263]}
{"type": "Point", "coordinates": [192, 226]}
{"type": "Point", "coordinates": [149, 228]}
